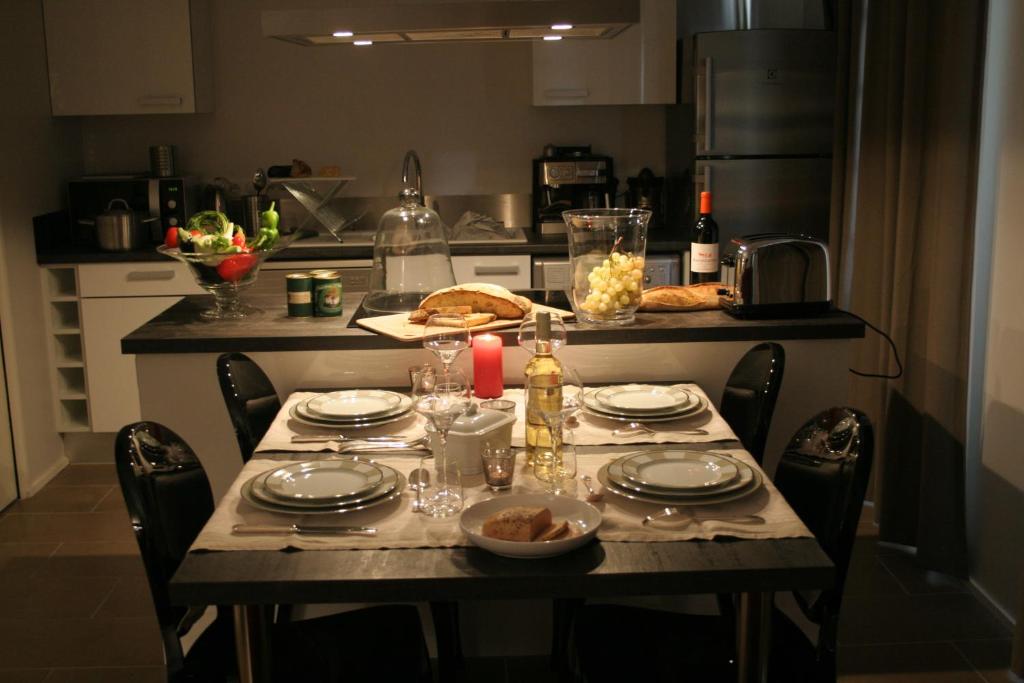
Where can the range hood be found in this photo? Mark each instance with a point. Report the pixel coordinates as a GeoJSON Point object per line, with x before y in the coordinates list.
{"type": "Point", "coordinates": [488, 21]}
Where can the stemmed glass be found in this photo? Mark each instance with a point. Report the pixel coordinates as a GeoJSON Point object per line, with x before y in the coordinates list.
{"type": "Point", "coordinates": [442, 406]}
{"type": "Point", "coordinates": [560, 400]}
{"type": "Point", "coordinates": [447, 335]}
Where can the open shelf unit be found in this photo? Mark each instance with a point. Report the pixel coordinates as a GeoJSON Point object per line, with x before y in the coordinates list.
{"type": "Point", "coordinates": [64, 334]}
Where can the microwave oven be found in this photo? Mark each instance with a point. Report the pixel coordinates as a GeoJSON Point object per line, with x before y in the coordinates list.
{"type": "Point", "coordinates": [172, 200]}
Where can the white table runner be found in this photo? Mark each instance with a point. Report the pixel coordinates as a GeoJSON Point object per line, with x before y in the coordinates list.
{"type": "Point", "coordinates": [399, 527]}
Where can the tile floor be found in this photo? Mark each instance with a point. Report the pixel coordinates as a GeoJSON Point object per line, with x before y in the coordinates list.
{"type": "Point", "coordinates": [76, 607]}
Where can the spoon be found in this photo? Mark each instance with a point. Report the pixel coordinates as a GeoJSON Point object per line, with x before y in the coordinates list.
{"type": "Point", "coordinates": [419, 479]}
{"type": "Point", "coordinates": [592, 495]}
{"type": "Point", "coordinates": [641, 427]}
{"type": "Point", "coordinates": [691, 517]}
{"type": "Point", "coordinates": [259, 181]}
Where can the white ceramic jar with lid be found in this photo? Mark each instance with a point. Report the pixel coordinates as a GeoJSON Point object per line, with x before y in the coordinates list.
{"type": "Point", "coordinates": [471, 432]}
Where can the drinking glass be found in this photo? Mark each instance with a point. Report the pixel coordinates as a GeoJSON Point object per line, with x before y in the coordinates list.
{"type": "Point", "coordinates": [442, 406]}
{"type": "Point", "coordinates": [447, 335]}
{"type": "Point", "coordinates": [499, 467]}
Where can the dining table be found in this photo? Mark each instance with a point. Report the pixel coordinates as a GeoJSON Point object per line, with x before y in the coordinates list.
{"type": "Point", "coordinates": [418, 559]}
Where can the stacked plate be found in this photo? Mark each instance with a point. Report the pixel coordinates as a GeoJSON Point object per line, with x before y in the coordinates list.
{"type": "Point", "coordinates": [352, 408]}
{"type": "Point", "coordinates": [324, 487]}
{"type": "Point", "coordinates": [643, 402]}
{"type": "Point", "coordinates": [673, 476]}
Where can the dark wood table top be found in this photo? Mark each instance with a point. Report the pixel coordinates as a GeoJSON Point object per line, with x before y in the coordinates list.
{"type": "Point", "coordinates": [599, 569]}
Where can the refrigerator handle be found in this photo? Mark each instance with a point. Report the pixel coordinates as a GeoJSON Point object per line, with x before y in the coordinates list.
{"type": "Point", "coordinates": [706, 113]}
{"type": "Point", "coordinates": [701, 183]}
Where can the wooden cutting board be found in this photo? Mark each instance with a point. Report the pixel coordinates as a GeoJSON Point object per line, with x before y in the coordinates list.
{"type": "Point", "coordinates": [398, 327]}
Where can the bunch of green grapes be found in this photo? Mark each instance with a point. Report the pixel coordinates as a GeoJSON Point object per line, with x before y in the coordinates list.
{"type": "Point", "coordinates": [614, 285]}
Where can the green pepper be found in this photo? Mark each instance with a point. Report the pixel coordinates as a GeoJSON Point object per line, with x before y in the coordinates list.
{"type": "Point", "coordinates": [267, 235]}
{"type": "Point", "coordinates": [270, 218]}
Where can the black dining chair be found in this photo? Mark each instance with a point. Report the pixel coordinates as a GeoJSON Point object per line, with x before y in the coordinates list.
{"type": "Point", "coordinates": [823, 475]}
{"type": "Point", "coordinates": [250, 398]}
{"type": "Point", "coordinates": [748, 400]}
{"type": "Point", "coordinates": [169, 500]}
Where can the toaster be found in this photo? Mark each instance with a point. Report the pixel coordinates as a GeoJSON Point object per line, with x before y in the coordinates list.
{"type": "Point", "coordinates": [777, 276]}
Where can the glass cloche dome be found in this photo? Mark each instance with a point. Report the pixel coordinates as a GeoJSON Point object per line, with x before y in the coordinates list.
{"type": "Point", "coordinates": [411, 258]}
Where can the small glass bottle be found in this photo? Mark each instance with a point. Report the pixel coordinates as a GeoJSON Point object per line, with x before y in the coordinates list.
{"type": "Point", "coordinates": [543, 364]}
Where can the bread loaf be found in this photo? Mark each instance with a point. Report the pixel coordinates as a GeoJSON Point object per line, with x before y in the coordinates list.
{"type": "Point", "coordinates": [517, 523]}
{"type": "Point", "coordinates": [420, 315]}
{"type": "Point", "coordinates": [555, 531]}
{"type": "Point", "coordinates": [483, 297]}
{"type": "Point", "coordinates": [700, 297]}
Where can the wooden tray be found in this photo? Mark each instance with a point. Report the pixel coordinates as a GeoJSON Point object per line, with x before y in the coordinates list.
{"type": "Point", "coordinates": [398, 327]}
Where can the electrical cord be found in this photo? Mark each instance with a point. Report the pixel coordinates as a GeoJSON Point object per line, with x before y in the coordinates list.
{"type": "Point", "coordinates": [892, 344]}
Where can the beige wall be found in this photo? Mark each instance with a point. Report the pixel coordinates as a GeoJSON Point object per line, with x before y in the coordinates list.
{"type": "Point", "coordinates": [39, 152]}
{"type": "Point", "coordinates": [465, 108]}
{"type": "Point", "coordinates": [996, 492]}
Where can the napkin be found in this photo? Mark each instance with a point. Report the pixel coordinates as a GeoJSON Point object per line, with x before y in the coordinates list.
{"type": "Point", "coordinates": [597, 431]}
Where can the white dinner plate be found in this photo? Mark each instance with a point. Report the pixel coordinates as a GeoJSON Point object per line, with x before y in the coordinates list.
{"type": "Point", "coordinates": [744, 475]}
{"type": "Point", "coordinates": [250, 495]}
{"type": "Point", "coordinates": [584, 520]}
{"type": "Point", "coordinates": [302, 409]}
{"type": "Point", "coordinates": [353, 403]}
{"type": "Point", "coordinates": [752, 485]}
{"type": "Point", "coordinates": [323, 480]}
{"type": "Point", "coordinates": [644, 399]}
{"type": "Point", "coordinates": [294, 414]}
{"type": "Point", "coordinates": [679, 470]}
{"type": "Point", "coordinates": [590, 408]}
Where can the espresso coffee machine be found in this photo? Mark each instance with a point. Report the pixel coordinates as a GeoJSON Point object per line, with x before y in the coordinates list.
{"type": "Point", "coordinates": [569, 178]}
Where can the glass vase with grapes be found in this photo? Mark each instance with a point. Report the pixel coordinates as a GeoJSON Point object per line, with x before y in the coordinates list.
{"type": "Point", "coordinates": [607, 248]}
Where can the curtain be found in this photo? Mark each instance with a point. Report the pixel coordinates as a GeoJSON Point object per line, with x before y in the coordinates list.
{"type": "Point", "coordinates": [904, 248]}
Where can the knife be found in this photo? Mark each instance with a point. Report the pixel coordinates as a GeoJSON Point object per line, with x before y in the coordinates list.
{"type": "Point", "coordinates": [304, 529]}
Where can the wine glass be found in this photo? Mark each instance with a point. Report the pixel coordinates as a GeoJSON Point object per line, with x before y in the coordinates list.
{"type": "Point", "coordinates": [560, 397]}
{"type": "Point", "coordinates": [447, 335]}
{"type": "Point", "coordinates": [527, 337]}
{"type": "Point", "coordinates": [442, 406]}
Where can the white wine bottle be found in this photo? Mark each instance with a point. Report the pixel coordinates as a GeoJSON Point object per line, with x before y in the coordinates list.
{"type": "Point", "coordinates": [548, 390]}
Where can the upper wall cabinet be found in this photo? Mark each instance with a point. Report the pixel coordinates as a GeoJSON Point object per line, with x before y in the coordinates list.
{"type": "Point", "coordinates": [638, 66]}
{"type": "Point", "coordinates": [128, 56]}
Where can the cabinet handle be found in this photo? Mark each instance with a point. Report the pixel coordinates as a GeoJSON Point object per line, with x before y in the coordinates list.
{"type": "Point", "coordinates": [567, 92]}
{"type": "Point", "coordinates": [149, 275]}
{"type": "Point", "coordinates": [496, 270]}
{"type": "Point", "coordinates": [160, 101]}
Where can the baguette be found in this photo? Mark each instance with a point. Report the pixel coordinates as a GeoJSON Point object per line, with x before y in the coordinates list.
{"type": "Point", "coordinates": [517, 523]}
{"type": "Point", "coordinates": [700, 297]}
{"type": "Point", "coordinates": [483, 298]}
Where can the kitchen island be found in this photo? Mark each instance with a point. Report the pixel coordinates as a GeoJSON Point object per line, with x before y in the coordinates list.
{"type": "Point", "coordinates": [176, 362]}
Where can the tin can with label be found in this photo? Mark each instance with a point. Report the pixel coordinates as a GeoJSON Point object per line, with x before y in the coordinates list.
{"type": "Point", "coordinates": [327, 294]}
{"type": "Point", "coordinates": [300, 294]}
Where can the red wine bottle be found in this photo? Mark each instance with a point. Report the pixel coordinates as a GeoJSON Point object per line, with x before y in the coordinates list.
{"type": "Point", "coordinates": [704, 265]}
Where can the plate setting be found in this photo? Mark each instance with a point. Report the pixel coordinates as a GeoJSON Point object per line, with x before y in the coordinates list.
{"type": "Point", "coordinates": [591, 406]}
{"type": "Point", "coordinates": [675, 476]}
{"type": "Point", "coordinates": [353, 403]}
{"type": "Point", "coordinates": [255, 492]}
{"type": "Point", "coordinates": [323, 480]}
{"type": "Point", "coordinates": [300, 413]}
{"type": "Point", "coordinates": [644, 399]}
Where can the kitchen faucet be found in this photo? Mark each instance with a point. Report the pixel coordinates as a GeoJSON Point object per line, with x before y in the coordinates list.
{"type": "Point", "coordinates": [412, 156]}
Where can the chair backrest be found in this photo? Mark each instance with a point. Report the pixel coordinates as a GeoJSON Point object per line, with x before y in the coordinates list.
{"type": "Point", "coordinates": [169, 500]}
{"type": "Point", "coordinates": [250, 398]}
{"type": "Point", "coordinates": [823, 475]}
{"type": "Point", "coordinates": [750, 394]}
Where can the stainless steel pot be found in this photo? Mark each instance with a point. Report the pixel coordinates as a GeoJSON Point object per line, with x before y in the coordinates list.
{"type": "Point", "coordinates": [117, 229]}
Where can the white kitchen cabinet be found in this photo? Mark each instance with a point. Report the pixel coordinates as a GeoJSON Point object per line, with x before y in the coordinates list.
{"type": "Point", "coordinates": [128, 56]}
{"type": "Point", "coordinates": [109, 374]}
{"type": "Point", "coordinates": [638, 66]}
{"type": "Point", "coordinates": [510, 271]}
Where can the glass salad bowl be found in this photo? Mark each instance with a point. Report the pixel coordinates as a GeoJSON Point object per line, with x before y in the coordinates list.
{"type": "Point", "coordinates": [225, 276]}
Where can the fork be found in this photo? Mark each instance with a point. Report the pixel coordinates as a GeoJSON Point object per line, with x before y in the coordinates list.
{"type": "Point", "coordinates": [641, 427]}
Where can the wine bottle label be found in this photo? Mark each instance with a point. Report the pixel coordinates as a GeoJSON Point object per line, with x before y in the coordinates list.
{"type": "Point", "coordinates": [703, 258]}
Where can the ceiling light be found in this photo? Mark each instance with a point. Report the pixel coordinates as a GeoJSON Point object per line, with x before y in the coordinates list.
{"type": "Point", "coordinates": [362, 42]}
{"type": "Point", "coordinates": [561, 27]}
{"type": "Point", "coordinates": [552, 37]}
{"type": "Point", "coordinates": [342, 34]}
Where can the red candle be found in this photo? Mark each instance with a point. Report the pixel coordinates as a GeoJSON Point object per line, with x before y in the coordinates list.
{"type": "Point", "coordinates": [488, 378]}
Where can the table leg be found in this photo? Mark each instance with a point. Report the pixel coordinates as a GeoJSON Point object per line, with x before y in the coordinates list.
{"type": "Point", "coordinates": [252, 623]}
{"type": "Point", "coordinates": [753, 637]}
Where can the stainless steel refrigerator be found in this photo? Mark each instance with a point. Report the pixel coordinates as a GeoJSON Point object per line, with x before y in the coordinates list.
{"type": "Point", "coordinates": [764, 102]}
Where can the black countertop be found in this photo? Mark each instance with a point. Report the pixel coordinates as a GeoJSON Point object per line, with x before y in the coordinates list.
{"type": "Point", "coordinates": [179, 330]}
{"type": "Point", "coordinates": [535, 246]}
